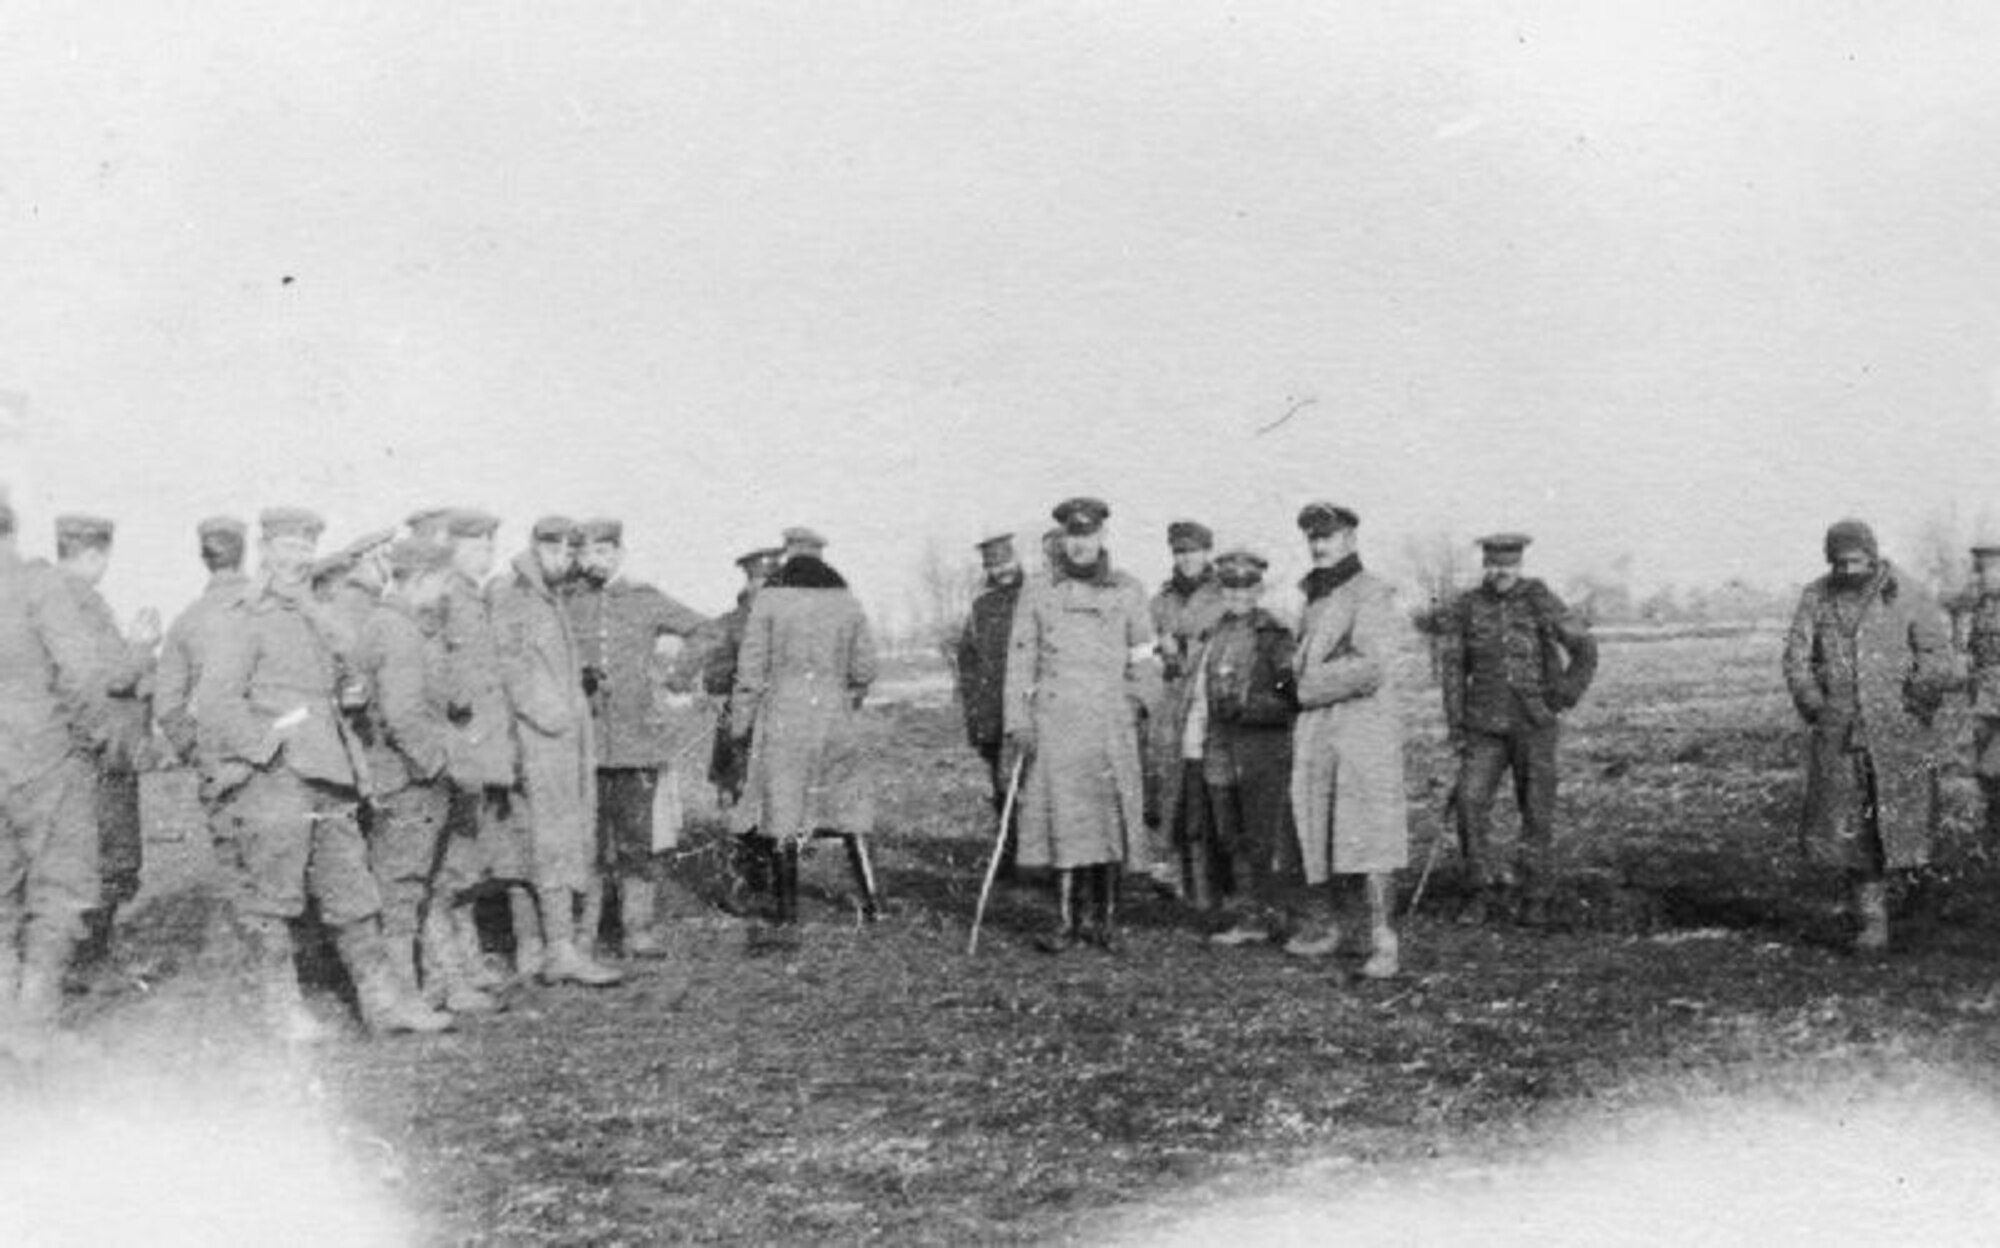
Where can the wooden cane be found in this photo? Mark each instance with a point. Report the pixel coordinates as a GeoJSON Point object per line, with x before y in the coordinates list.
{"type": "Point", "coordinates": [999, 848]}
{"type": "Point", "coordinates": [1437, 843]}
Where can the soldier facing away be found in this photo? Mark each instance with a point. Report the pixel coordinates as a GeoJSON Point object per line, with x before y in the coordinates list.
{"type": "Point", "coordinates": [221, 541]}
{"type": "Point", "coordinates": [981, 671]}
{"type": "Point", "coordinates": [729, 758]}
{"type": "Point", "coordinates": [1514, 658]}
{"type": "Point", "coordinates": [619, 624]}
{"type": "Point", "coordinates": [1868, 662]}
{"type": "Point", "coordinates": [1071, 660]}
{"type": "Point", "coordinates": [83, 555]}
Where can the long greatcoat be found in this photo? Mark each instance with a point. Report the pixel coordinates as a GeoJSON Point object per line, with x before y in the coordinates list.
{"type": "Point", "coordinates": [1069, 682]}
{"type": "Point", "coordinates": [805, 663]}
{"type": "Point", "coordinates": [539, 670]}
{"type": "Point", "coordinates": [1347, 743]}
{"type": "Point", "coordinates": [1181, 623]}
{"type": "Point", "coordinates": [1867, 679]}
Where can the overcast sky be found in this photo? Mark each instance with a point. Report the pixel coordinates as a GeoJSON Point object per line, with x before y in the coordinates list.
{"type": "Point", "coordinates": [1681, 281]}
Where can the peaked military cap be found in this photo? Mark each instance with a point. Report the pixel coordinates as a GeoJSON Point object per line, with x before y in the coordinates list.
{"type": "Point", "coordinates": [556, 529]}
{"type": "Point", "coordinates": [1985, 550]}
{"type": "Point", "coordinates": [414, 556]}
{"type": "Point", "coordinates": [1503, 548]}
{"type": "Point", "coordinates": [1082, 515]}
{"type": "Point", "coordinates": [291, 522]}
{"type": "Point", "coordinates": [1320, 519]}
{"type": "Point", "coordinates": [1240, 568]}
{"type": "Point", "coordinates": [996, 550]}
{"type": "Point", "coordinates": [764, 556]}
{"type": "Point", "coordinates": [804, 538]}
{"type": "Point", "coordinates": [428, 522]}
{"type": "Point", "coordinates": [77, 528]}
{"type": "Point", "coordinates": [1189, 535]}
{"type": "Point", "coordinates": [221, 526]}
{"type": "Point", "coordinates": [471, 522]}
{"type": "Point", "coordinates": [1843, 536]}
{"type": "Point", "coordinates": [373, 540]}
{"type": "Point", "coordinates": [602, 529]}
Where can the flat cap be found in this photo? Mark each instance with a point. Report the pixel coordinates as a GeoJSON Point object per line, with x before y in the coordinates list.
{"type": "Point", "coordinates": [413, 556]}
{"type": "Point", "coordinates": [803, 538]}
{"type": "Point", "coordinates": [1082, 515]}
{"type": "Point", "coordinates": [764, 556]}
{"type": "Point", "coordinates": [1239, 568]}
{"type": "Point", "coordinates": [291, 522]}
{"type": "Point", "coordinates": [601, 529]}
{"type": "Point", "coordinates": [470, 522]}
{"type": "Point", "coordinates": [555, 529]}
{"type": "Point", "coordinates": [428, 521]}
{"type": "Point", "coordinates": [221, 526]}
{"type": "Point", "coordinates": [1320, 519]}
{"type": "Point", "coordinates": [1189, 535]}
{"type": "Point", "coordinates": [1844, 536]}
{"type": "Point", "coordinates": [77, 528]}
{"type": "Point", "coordinates": [1503, 547]}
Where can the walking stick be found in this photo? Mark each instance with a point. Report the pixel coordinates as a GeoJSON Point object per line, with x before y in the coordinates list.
{"type": "Point", "coordinates": [999, 848]}
{"type": "Point", "coordinates": [1430, 861]}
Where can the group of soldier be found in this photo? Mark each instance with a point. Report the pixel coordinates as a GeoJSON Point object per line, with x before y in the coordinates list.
{"type": "Point", "coordinates": [1263, 763]}
{"type": "Point", "coordinates": [388, 735]}
{"type": "Point", "coordinates": [385, 737]}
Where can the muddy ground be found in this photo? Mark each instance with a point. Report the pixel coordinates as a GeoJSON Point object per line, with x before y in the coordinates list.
{"type": "Point", "coordinates": [876, 1082]}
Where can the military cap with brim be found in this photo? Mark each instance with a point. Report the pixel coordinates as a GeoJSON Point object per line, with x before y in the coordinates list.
{"type": "Point", "coordinates": [1185, 535]}
{"type": "Point", "coordinates": [1845, 536]}
{"type": "Point", "coordinates": [804, 538]}
{"type": "Point", "coordinates": [414, 556]}
{"type": "Point", "coordinates": [996, 549]}
{"type": "Point", "coordinates": [1503, 548]}
{"type": "Point", "coordinates": [1986, 550]}
{"type": "Point", "coordinates": [221, 526]}
{"type": "Point", "coordinates": [556, 529]}
{"type": "Point", "coordinates": [762, 555]}
{"type": "Point", "coordinates": [428, 522]}
{"type": "Point", "coordinates": [290, 522]}
{"type": "Point", "coordinates": [1082, 515]}
{"type": "Point", "coordinates": [1320, 519]}
{"type": "Point", "coordinates": [471, 522]}
{"type": "Point", "coordinates": [1238, 568]}
{"type": "Point", "coordinates": [602, 529]}
{"type": "Point", "coordinates": [368, 542]}
{"type": "Point", "coordinates": [78, 528]}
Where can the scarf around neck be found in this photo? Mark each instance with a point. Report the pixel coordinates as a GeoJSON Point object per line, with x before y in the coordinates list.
{"type": "Point", "coordinates": [1322, 581]}
{"type": "Point", "coordinates": [1097, 572]}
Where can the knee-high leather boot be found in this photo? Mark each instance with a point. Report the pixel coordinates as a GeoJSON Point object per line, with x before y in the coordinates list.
{"type": "Point", "coordinates": [1065, 934]}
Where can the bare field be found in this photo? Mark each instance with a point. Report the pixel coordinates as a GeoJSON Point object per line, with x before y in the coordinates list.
{"type": "Point", "coordinates": [878, 1083]}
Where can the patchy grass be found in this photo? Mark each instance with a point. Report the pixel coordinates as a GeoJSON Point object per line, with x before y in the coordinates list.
{"type": "Point", "coordinates": [876, 1082]}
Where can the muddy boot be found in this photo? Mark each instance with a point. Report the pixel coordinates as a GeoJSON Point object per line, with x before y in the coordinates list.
{"type": "Point", "coordinates": [1103, 931]}
{"type": "Point", "coordinates": [387, 1006]}
{"type": "Point", "coordinates": [590, 923]}
{"type": "Point", "coordinates": [1871, 907]}
{"type": "Point", "coordinates": [564, 963]}
{"type": "Point", "coordinates": [1065, 934]}
{"type": "Point", "coordinates": [636, 899]}
{"type": "Point", "coordinates": [529, 950]}
{"type": "Point", "coordinates": [1318, 935]}
{"type": "Point", "coordinates": [285, 1014]}
{"type": "Point", "coordinates": [1383, 954]}
{"type": "Point", "coordinates": [471, 954]}
{"type": "Point", "coordinates": [786, 884]}
{"type": "Point", "coordinates": [446, 982]}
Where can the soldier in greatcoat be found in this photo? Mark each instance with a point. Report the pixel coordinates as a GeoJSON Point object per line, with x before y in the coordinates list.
{"type": "Point", "coordinates": [53, 718]}
{"type": "Point", "coordinates": [981, 672]}
{"type": "Point", "coordinates": [543, 677]}
{"type": "Point", "coordinates": [220, 540]}
{"type": "Point", "coordinates": [274, 739]}
{"type": "Point", "coordinates": [805, 667]}
{"type": "Point", "coordinates": [620, 626]}
{"type": "Point", "coordinates": [1237, 728]}
{"type": "Point", "coordinates": [1347, 743]}
{"type": "Point", "coordinates": [729, 758]}
{"type": "Point", "coordinates": [1868, 662]}
{"type": "Point", "coordinates": [1186, 607]}
{"type": "Point", "coordinates": [1514, 659]}
{"type": "Point", "coordinates": [402, 658]}
{"type": "Point", "coordinates": [1077, 640]}
{"type": "Point", "coordinates": [83, 555]}
{"type": "Point", "coordinates": [1981, 622]}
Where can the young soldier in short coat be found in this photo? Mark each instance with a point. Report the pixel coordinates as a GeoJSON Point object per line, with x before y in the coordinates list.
{"type": "Point", "coordinates": [619, 625]}
{"type": "Point", "coordinates": [981, 671]}
{"type": "Point", "coordinates": [1514, 658]}
{"type": "Point", "coordinates": [83, 555]}
{"type": "Point", "coordinates": [1868, 662]}
{"type": "Point", "coordinates": [1347, 743]}
{"type": "Point", "coordinates": [273, 734]}
{"type": "Point", "coordinates": [1241, 700]}
{"type": "Point", "coordinates": [1071, 660]}
{"type": "Point", "coordinates": [52, 718]}
{"type": "Point", "coordinates": [1183, 611]}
